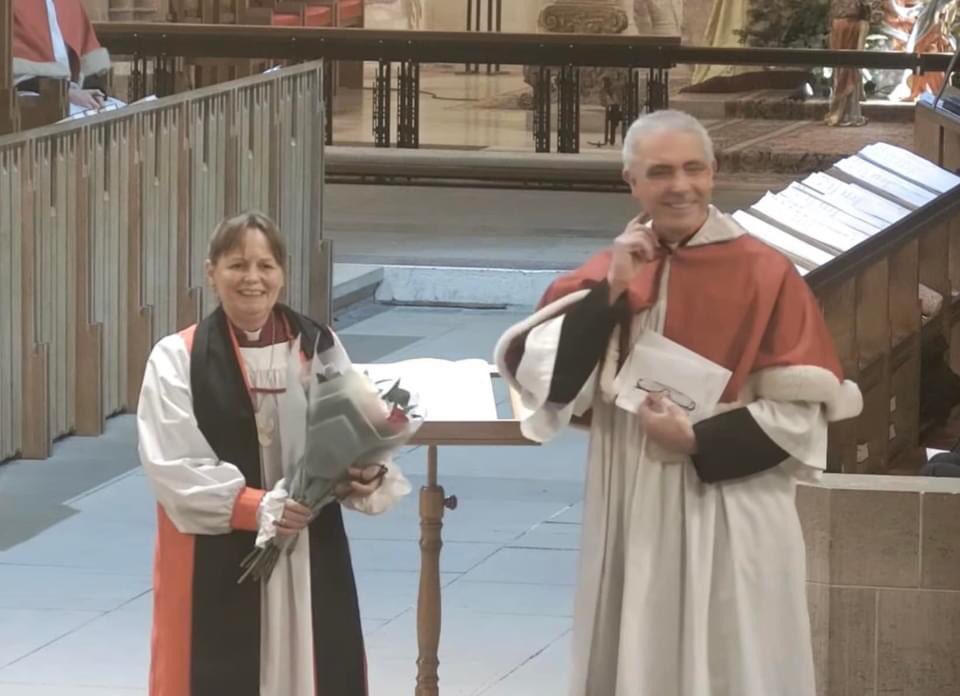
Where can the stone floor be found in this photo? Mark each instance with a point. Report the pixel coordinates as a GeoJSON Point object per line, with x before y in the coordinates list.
{"type": "Point", "coordinates": [488, 227]}
{"type": "Point", "coordinates": [76, 539]}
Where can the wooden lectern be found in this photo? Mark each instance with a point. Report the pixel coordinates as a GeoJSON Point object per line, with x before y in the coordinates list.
{"type": "Point", "coordinates": [461, 410]}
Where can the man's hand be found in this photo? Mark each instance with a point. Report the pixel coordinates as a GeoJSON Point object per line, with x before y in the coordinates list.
{"type": "Point", "coordinates": [295, 517]}
{"type": "Point", "coordinates": [86, 98]}
{"type": "Point", "coordinates": [363, 481]}
{"type": "Point", "coordinates": [631, 250]}
{"type": "Point", "coordinates": [667, 425]}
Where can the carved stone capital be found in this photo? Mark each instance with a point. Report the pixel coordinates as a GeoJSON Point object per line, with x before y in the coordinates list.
{"type": "Point", "coordinates": [583, 17]}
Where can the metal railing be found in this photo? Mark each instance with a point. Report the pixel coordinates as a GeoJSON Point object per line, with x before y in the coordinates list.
{"type": "Point", "coordinates": [555, 59]}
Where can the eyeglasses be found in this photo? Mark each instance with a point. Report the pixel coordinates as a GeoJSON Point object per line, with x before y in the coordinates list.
{"type": "Point", "coordinates": [678, 397]}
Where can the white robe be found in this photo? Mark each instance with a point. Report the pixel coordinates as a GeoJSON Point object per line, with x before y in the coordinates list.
{"type": "Point", "coordinates": [684, 588]}
{"type": "Point", "coordinates": [197, 491]}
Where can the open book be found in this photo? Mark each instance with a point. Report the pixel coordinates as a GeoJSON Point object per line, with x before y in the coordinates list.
{"type": "Point", "coordinates": [447, 390]}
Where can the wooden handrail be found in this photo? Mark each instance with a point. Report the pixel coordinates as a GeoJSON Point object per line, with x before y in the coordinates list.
{"type": "Point", "coordinates": [238, 41]}
{"type": "Point", "coordinates": [8, 106]}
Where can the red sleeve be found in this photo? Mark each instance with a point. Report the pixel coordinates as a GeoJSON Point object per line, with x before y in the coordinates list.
{"type": "Point", "coordinates": [245, 509]}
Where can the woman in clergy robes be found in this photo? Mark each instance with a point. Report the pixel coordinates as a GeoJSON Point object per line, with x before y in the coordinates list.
{"type": "Point", "coordinates": [221, 421]}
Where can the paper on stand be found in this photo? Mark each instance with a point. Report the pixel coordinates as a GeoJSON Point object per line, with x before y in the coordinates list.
{"type": "Point", "coordinates": [447, 390]}
{"type": "Point", "coordinates": [806, 198]}
{"type": "Point", "coordinates": [879, 178]}
{"type": "Point", "coordinates": [786, 213]}
{"type": "Point", "coordinates": [687, 374]}
{"type": "Point", "coordinates": [805, 255]}
{"type": "Point", "coordinates": [912, 166]}
{"type": "Point", "coordinates": [857, 197]}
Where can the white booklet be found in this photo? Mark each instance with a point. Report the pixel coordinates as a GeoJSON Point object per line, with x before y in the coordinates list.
{"type": "Point", "coordinates": [657, 364]}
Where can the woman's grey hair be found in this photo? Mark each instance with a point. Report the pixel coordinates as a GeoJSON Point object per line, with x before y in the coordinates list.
{"type": "Point", "coordinates": [657, 122]}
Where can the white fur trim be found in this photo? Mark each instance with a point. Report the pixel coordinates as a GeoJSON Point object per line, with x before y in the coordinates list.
{"type": "Point", "coordinates": [94, 63]}
{"type": "Point", "coordinates": [520, 328]}
{"type": "Point", "coordinates": [26, 69]}
{"type": "Point", "coordinates": [842, 400]}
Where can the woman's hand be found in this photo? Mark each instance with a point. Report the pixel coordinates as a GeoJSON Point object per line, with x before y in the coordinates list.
{"type": "Point", "coordinates": [295, 517]}
{"type": "Point", "coordinates": [667, 425]}
{"type": "Point", "coordinates": [364, 480]}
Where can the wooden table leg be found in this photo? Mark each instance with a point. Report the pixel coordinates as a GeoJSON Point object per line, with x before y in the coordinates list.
{"type": "Point", "coordinates": [432, 503]}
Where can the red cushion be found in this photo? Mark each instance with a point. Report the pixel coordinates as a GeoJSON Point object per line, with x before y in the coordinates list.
{"type": "Point", "coordinates": [318, 16]}
{"type": "Point", "coordinates": [350, 9]}
{"type": "Point", "coordinates": [284, 20]}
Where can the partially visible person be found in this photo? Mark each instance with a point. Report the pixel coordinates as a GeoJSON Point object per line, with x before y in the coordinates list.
{"type": "Point", "coordinates": [54, 39]}
{"type": "Point", "coordinates": [848, 30]}
{"type": "Point", "coordinates": [942, 464]}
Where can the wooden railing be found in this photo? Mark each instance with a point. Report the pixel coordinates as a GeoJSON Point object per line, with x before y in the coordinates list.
{"type": "Point", "coordinates": [104, 225]}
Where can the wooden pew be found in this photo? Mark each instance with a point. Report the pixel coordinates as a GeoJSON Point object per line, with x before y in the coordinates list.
{"type": "Point", "coordinates": [49, 105]}
{"type": "Point", "coordinates": [104, 225]}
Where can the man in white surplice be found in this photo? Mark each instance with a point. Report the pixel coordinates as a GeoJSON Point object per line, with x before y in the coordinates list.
{"type": "Point", "coordinates": [692, 569]}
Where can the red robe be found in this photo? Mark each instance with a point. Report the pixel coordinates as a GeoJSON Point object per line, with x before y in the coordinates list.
{"type": "Point", "coordinates": [33, 46]}
{"type": "Point", "coordinates": [736, 302]}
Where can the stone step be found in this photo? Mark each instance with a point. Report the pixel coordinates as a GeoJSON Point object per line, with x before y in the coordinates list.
{"type": "Point", "coordinates": [354, 282]}
{"type": "Point", "coordinates": [439, 286]}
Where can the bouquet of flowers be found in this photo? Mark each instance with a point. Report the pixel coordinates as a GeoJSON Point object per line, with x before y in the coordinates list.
{"type": "Point", "coordinates": [349, 421]}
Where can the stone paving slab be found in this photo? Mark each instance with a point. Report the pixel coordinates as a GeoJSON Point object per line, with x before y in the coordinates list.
{"type": "Point", "coordinates": [75, 609]}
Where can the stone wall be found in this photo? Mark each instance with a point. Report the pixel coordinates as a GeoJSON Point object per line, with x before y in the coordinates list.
{"type": "Point", "coordinates": [883, 569]}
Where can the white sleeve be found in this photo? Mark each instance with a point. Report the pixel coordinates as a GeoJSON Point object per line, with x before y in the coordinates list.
{"type": "Point", "coordinates": [799, 428]}
{"type": "Point", "coordinates": [393, 487]}
{"type": "Point", "coordinates": [197, 491]}
{"type": "Point", "coordinates": [535, 375]}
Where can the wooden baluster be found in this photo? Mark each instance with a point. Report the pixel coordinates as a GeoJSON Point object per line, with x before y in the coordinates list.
{"type": "Point", "coordinates": [432, 503]}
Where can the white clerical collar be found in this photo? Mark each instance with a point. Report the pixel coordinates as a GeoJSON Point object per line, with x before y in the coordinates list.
{"type": "Point", "coordinates": [253, 336]}
{"type": "Point", "coordinates": [718, 227]}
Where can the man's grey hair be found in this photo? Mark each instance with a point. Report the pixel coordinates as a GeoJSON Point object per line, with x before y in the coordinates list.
{"type": "Point", "coordinates": [657, 122]}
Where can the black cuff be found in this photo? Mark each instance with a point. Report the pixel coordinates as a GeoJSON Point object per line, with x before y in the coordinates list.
{"type": "Point", "coordinates": [732, 445]}
{"type": "Point", "coordinates": [584, 336]}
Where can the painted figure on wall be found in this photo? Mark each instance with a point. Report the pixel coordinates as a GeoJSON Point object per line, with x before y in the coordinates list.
{"type": "Point", "coordinates": [921, 27]}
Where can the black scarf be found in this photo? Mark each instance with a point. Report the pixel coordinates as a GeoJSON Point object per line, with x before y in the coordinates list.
{"type": "Point", "coordinates": [225, 640]}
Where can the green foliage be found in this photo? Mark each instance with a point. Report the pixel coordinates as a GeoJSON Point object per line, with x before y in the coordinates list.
{"type": "Point", "coordinates": [787, 24]}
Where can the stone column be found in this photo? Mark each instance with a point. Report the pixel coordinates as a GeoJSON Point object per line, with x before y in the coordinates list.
{"type": "Point", "coordinates": [597, 85]}
{"type": "Point", "coordinates": [97, 10]}
{"type": "Point", "coordinates": [584, 17]}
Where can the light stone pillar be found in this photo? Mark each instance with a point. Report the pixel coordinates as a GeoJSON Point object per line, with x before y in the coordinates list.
{"type": "Point", "coordinates": [584, 17]}
{"type": "Point", "coordinates": [597, 85]}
